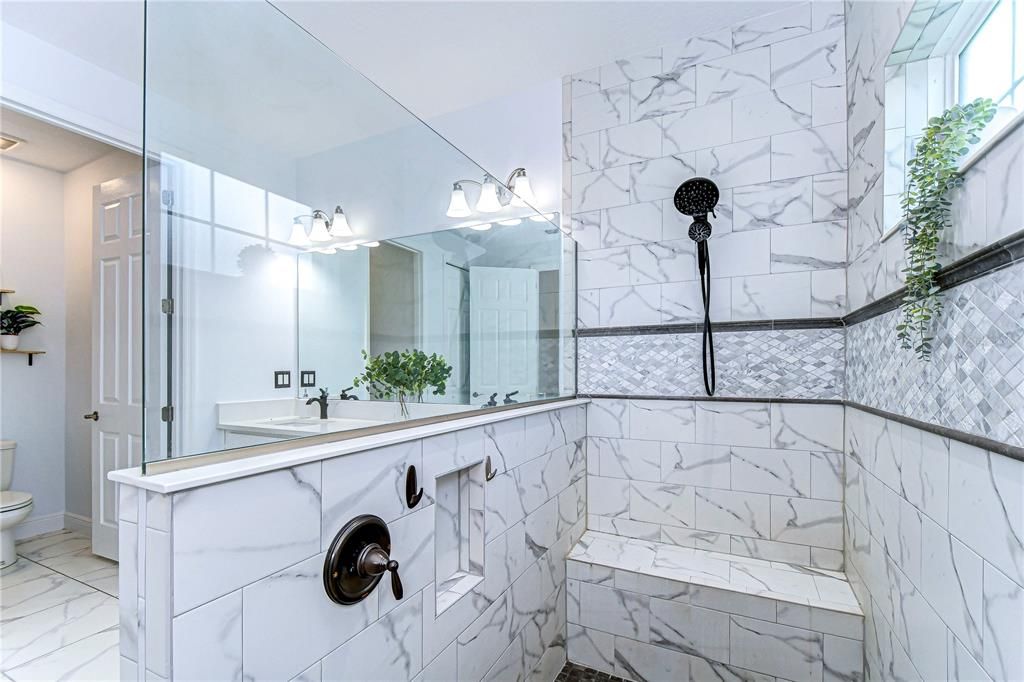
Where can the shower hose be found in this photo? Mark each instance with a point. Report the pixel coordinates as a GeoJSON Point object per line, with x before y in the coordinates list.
{"type": "Point", "coordinates": [708, 345]}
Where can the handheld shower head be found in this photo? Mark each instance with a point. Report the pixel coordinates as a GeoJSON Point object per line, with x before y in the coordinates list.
{"type": "Point", "coordinates": [696, 198]}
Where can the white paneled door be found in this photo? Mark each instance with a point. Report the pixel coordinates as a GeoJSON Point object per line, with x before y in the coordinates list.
{"type": "Point", "coordinates": [503, 338]}
{"type": "Point", "coordinates": [116, 348]}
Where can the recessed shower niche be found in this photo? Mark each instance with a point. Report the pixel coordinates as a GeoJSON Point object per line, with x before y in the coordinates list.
{"type": "Point", "coordinates": [459, 530]}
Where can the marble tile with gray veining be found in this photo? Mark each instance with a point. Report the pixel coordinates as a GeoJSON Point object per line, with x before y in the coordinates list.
{"type": "Point", "coordinates": [777, 472]}
{"type": "Point", "coordinates": [659, 178]}
{"type": "Point", "coordinates": [660, 262]}
{"type": "Point", "coordinates": [697, 464]}
{"type": "Point", "coordinates": [805, 521]}
{"type": "Point", "coordinates": [698, 128]}
{"type": "Point", "coordinates": [733, 76]}
{"type": "Point", "coordinates": [808, 152]}
{"type": "Point", "coordinates": [698, 49]}
{"type": "Point", "coordinates": [615, 611]}
{"type": "Point", "coordinates": [601, 189]}
{"type": "Point", "coordinates": [630, 305]}
{"type": "Point", "coordinates": [737, 513]}
{"type": "Point", "coordinates": [603, 268]}
{"type": "Point", "coordinates": [601, 109]}
{"type": "Point", "coordinates": [640, 141]}
{"type": "Point", "coordinates": [817, 246]}
{"type": "Point", "coordinates": [829, 197]}
{"type": "Point", "coordinates": [585, 153]}
{"type": "Point", "coordinates": [772, 204]}
{"type": "Point", "coordinates": [772, 112]}
{"type": "Point", "coordinates": [585, 83]}
{"type": "Point", "coordinates": [662, 503]}
{"type": "Point", "coordinates": [809, 57]}
{"type": "Point", "coordinates": [780, 650]}
{"type": "Point", "coordinates": [662, 94]}
{"type": "Point", "coordinates": [690, 629]}
{"type": "Point", "coordinates": [740, 163]}
{"type": "Point", "coordinates": [628, 69]}
{"type": "Point", "coordinates": [634, 224]}
{"type": "Point", "coordinates": [772, 28]}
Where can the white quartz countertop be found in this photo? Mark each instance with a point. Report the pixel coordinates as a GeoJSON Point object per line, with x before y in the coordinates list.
{"type": "Point", "coordinates": [238, 467]}
{"type": "Point", "coordinates": [292, 427]}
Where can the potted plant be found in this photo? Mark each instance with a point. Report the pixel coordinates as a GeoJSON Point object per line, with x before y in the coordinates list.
{"type": "Point", "coordinates": [13, 322]}
{"type": "Point", "coordinates": [406, 375]}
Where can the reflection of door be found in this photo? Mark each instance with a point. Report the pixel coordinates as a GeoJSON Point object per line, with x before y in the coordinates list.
{"type": "Point", "coordinates": [456, 329]}
{"type": "Point", "coordinates": [116, 348]}
{"type": "Point", "coordinates": [503, 339]}
{"type": "Point", "coordinates": [394, 298]}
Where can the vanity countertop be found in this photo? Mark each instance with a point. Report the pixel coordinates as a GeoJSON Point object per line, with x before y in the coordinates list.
{"type": "Point", "coordinates": [295, 426]}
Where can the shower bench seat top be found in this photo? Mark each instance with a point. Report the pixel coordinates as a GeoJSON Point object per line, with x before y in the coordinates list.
{"type": "Point", "coordinates": [662, 566]}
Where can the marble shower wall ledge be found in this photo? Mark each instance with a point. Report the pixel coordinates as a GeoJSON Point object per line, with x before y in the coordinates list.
{"type": "Point", "coordinates": [749, 479]}
{"type": "Point", "coordinates": [760, 109]}
{"type": "Point", "coordinates": [781, 363]}
{"type": "Point", "coordinates": [934, 552]}
{"type": "Point", "coordinates": [245, 559]}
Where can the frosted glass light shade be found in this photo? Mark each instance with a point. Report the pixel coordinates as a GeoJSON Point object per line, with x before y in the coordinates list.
{"type": "Point", "coordinates": [511, 222]}
{"type": "Point", "coordinates": [458, 207]}
{"type": "Point", "coordinates": [319, 232]}
{"type": "Point", "coordinates": [522, 193]}
{"type": "Point", "coordinates": [488, 201]}
{"type": "Point", "coordinates": [481, 227]}
{"type": "Point", "coordinates": [340, 228]}
{"type": "Point", "coordinates": [298, 235]}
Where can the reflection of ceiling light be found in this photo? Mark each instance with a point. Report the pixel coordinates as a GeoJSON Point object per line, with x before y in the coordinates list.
{"type": "Point", "coordinates": [522, 193]}
{"type": "Point", "coordinates": [298, 236]}
{"type": "Point", "coordinates": [330, 251]}
{"type": "Point", "coordinates": [8, 142]}
{"type": "Point", "coordinates": [372, 245]}
{"type": "Point", "coordinates": [542, 218]}
{"type": "Point", "coordinates": [348, 247]}
{"type": "Point", "coordinates": [511, 222]}
{"type": "Point", "coordinates": [488, 201]}
{"type": "Point", "coordinates": [319, 232]}
{"type": "Point", "coordinates": [480, 227]}
{"type": "Point", "coordinates": [339, 226]}
{"type": "Point", "coordinates": [458, 207]}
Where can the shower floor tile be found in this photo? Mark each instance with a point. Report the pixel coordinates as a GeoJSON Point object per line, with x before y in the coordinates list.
{"type": "Point", "coordinates": [577, 673]}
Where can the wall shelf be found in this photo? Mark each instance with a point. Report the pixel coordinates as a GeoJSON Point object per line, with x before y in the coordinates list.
{"type": "Point", "coordinates": [5, 291]}
{"type": "Point", "coordinates": [29, 353]}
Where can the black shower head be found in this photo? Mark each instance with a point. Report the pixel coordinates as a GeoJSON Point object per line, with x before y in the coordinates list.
{"type": "Point", "coordinates": [696, 198]}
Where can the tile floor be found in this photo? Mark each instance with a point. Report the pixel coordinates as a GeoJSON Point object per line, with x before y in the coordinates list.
{"type": "Point", "coordinates": [58, 612]}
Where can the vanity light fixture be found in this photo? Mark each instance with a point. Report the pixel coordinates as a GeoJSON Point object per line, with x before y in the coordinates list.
{"type": "Point", "coordinates": [298, 235]}
{"type": "Point", "coordinates": [494, 196]}
{"type": "Point", "coordinates": [325, 228]}
{"type": "Point", "coordinates": [319, 233]}
{"type": "Point", "coordinates": [371, 245]}
{"type": "Point", "coordinates": [339, 226]}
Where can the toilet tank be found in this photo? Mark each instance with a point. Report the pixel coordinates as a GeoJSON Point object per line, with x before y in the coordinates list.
{"type": "Point", "coordinates": [6, 462]}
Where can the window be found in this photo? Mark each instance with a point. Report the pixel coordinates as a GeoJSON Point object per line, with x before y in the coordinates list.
{"type": "Point", "coordinates": [992, 63]}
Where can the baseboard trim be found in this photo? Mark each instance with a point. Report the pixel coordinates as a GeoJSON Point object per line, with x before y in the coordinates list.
{"type": "Point", "coordinates": [39, 525]}
{"type": "Point", "coordinates": [78, 523]}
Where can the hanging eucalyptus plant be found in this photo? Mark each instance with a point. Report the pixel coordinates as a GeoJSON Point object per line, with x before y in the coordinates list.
{"type": "Point", "coordinates": [932, 173]}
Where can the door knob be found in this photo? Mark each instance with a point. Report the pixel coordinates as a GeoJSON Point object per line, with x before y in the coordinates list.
{"type": "Point", "coordinates": [94, 415]}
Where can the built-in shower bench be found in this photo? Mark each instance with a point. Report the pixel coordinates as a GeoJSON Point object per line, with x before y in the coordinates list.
{"type": "Point", "coordinates": [653, 611]}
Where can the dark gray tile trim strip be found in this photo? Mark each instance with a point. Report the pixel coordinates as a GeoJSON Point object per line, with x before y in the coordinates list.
{"type": "Point", "coordinates": [1005, 449]}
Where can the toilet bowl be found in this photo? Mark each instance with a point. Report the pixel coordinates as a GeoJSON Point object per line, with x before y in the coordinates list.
{"type": "Point", "coordinates": [15, 506]}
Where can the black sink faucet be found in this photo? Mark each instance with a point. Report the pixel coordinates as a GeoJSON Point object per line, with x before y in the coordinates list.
{"type": "Point", "coordinates": [345, 396]}
{"type": "Point", "coordinates": [322, 400]}
{"type": "Point", "coordinates": [508, 398]}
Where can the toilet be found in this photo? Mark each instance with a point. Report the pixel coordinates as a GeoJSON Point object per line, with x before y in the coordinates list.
{"type": "Point", "coordinates": [14, 506]}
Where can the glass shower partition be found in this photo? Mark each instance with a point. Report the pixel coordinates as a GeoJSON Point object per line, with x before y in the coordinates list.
{"type": "Point", "coordinates": [300, 252]}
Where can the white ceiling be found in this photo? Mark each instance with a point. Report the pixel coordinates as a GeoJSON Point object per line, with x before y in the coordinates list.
{"type": "Point", "coordinates": [46, 145]}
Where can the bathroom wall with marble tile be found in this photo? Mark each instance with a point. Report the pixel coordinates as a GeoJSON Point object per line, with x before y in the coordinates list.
{"type": "Point", "coordinates": [753, 479]}
{"type": "Point", "coordinates": [935, 553]}
{"type": "Point", "coordinates": [757, 107]}
{"type": "Point", "coordinates": [229, 582]}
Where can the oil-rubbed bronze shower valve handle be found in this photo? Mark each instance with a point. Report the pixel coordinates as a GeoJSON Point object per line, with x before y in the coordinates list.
{"type": "Point", "coordinates": [396, 582]}
{"type": "Point", "coordinates": [373, 561]}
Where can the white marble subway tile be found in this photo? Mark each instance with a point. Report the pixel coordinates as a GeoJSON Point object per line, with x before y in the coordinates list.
{"type": "Point", "coordinates": [662, 262]}
{"type": "Point", "coordinates": [682, 301]}
{"type": "Point", "coordinates": [543, 433]}
{"type": "Point", "coordinates": [829, 559]}
{"type": "Point", "coordinates": [541, 528]}
{"type": "Point", "coordinates": [588, 308]}
{"type": "Point", "coordinates": [662, 503]}
{"type": "Point", "coordinates": [615, 611]}
{"type": "Point", "coordinates": [804, 426]}
{"type": "Point", "coordinates": [412, 542]}
{"type": "Point", "coordinates": [505, 442]}
{"type": "Point", "coordinates": [828, 101]}
{"type": "Point", "coordinates": [724, 423]}
{"type": "Point", "coordinates": [827, 476]}
{"type": "Point", "coordinates": [778, 472]}
{"type": "Point", "coordinates": [790, 653]}
{"type": "Point", "coordinates": [585, 153]}
{"type": "Point", "coordinates": [828, 293]}
{"type": "Point", "coordinates": [738, 513]}
{"type": "Point", "coordinates": [810, 522]}
{"type": "Point", "coordinates": [698, 49]}
{"type": "Point", "coordinates": [698, 128]}
{"type": "Point", "coordinates": [128, 503]}
{"type": "Point", "coordinates": [843, 659]}
{"type": "Point", "coordinates": [603, 268]}
{"type": "Point", "coordinates": [770, 550]}
{"type": "Point", "coordinates": [640, 141]}
{"type": "Point", "coordinates": [389, 649]}
{"type": "Point", "coordinates": [640, 530]}
{"type": "Point", "coordinates": [732, 601]}
{"type": "Point", "coordinates": [968, 220]}
{"type": "Point", "coordinates": [156, 614]}
{"type": "Point", "coordinates": [698, 464]}
{"type": "Point", "coordinates": [817, 246]}
{"type": "Point", "coordinates": [208, 641]}
{"type": "Point", "coordinates": [768, 580]}
{"type": "Point", "coordinates": [768, 297]}
{"type": "Point", "coordinates": [830, 622]}
{"type": "Point", "coordinates": [630, 305]}
{"type": "Point", "coordinates": [733, 76]}
{"type": "Point", "coordinates": [607, 496]}
{"type": "Point", "coordinates": [826, 14]}
{"type": "Point", "coordinates": [662, 94]}
{"type": "Point", "coordinates": [608, 418]}
{"type": "Point", "coordinates": [960, 665]}
{"type": "Point", "coordinates": [808, 152]}
{"type": "Point", "coordinates": [920, 629]}
{"type": "Point", "coordinates": [586, 230]}
{"type": "Point", "coordinates": [771, 112]}
{"type": "Point", "coordinates": [1004, 180]}
{"type": "Point", "coordinates": [599, 110]}
{"type": "Point", "coordinates": [772, 28]}
{"type": "Point", "coordinates": [632, 224]}
{"type": "Point", "coordinates": [740, 253]}
{"type": "Point", "coordinates": [659, 178]}
{"type": "Point", "coordinates": [951, 580]}
{"type": "Point", "coordinates": [1003, 634]}
{"type": "Point", "coordinates": [632, 459]}
{"type": "Point", "coordinates": [989, 486]}
{"type": "Point", "coordinates": [690, 629]}
{"type": "Point", "coordinates": [924, 471]}
{"type": "Point", "coordinates": [445, 453]}
{"type": "Point", "coordinates": [772, 204]}
{"type": "Point", "coordinates": [739, 163]}
{"type": "Point", "coordinates": [662, 420]}
{"type": "Point", "coordinates": [585, 83]}
{"type": "Point", "coordinates": [829, 197]}
{"type": "Point", "coordinates": [628, 69]}
{"type": "Point", "coordinates": [127, 586]}
{"type": "Point", "coordinates": [371, 482]}
{"type": "Point", "coordinates": [600, 189]}
{"type": "Point", "coordinates": [531, 487]}
{"type": "Point", "coordinates": [591, 648]}
{"type": "Point", "coordinates": [697, 539]}
{"type": "Point", "coordinates": [809, 57]}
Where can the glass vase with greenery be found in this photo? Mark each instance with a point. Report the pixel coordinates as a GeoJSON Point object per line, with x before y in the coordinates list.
{"type": "Point", "coordinates": [932, 173]}
{"type": "Point", "coordinates": [404, 375]}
